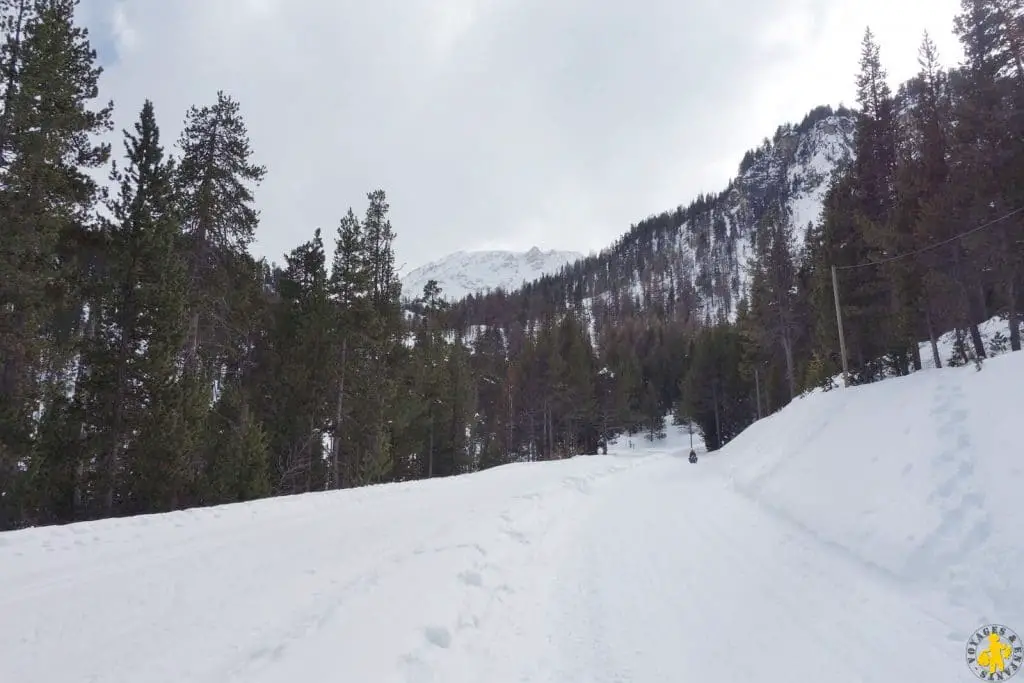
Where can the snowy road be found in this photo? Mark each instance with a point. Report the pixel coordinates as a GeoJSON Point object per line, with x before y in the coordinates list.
{"type": "Point", "coordinates": [380, 584]}
{"type": "Point", "coordinates": [598, 569]}
{"type": "Point", "coordinates": [682, 578]}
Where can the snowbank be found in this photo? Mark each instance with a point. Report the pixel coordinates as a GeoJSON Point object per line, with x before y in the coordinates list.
{"type": "Point", "coordinates": [919, 478]}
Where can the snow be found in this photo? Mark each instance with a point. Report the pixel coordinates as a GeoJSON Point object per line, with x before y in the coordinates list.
{"type": "Point", "coordinates": [946, 343]}
{"type": "Point", "coordinates": [858, 535]}
{"type": "Point", "coordinates": [801, 164]}
{"type": "Point", "coordinates": [468, 272]}
{"type": "Point", "coordinates": [820, 153]}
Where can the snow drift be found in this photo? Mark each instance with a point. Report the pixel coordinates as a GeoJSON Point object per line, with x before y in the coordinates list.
{"type": "Point", "coordinates": [859, 535]}
{"type": "Point", "coordinates": [919, 477]}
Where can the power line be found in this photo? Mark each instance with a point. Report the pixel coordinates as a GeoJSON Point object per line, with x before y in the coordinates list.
{"type": "Point", "coordinates": [933, 246]}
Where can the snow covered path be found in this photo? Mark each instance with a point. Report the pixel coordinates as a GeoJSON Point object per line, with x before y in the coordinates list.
{"type": "Point", "coordinates": [384, 584]}
{"type": "Point", "coordinates": [682, 578]}
{"type": "Point", "coordinates": [642, 569]}
{"type": "Point", "coordinates": [857, 536]}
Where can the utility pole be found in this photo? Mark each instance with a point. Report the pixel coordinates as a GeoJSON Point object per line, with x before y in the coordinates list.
{"type": "Point", "coordinates": [839, 323]}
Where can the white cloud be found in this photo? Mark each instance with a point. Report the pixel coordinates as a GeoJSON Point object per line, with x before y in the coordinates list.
{"type": "Point", "coordinates": [493, 122]}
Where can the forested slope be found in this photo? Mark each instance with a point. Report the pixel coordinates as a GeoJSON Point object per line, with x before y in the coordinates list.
{"type": "Point", "coordinates": [148, 362]}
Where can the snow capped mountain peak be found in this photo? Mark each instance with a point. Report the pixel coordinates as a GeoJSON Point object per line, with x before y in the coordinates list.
{"type": "Point", "coordinates": [467, 272]}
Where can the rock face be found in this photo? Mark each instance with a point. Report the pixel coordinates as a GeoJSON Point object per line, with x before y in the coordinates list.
{"type": "Point", "coordinates": [716, 233]}
{"type": "Point", "coordinates": [695, 257]}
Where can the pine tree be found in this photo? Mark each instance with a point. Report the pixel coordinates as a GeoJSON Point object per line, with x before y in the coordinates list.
{"type": "Point", "coordinates": [302, 340]}
{"type": "Point", "coordinates": [774, 307]}
{"type": "Point", "coordinates": [382, 336]}
{"type": "Point", "coordinates": [887, 232]}
{"type": "Point", "coordinates": [856, 219]}
{"type": "Point", "coordinates": [133, 356]}
{"type": "Point", "coordinates": [927, 171]}
{"type": "Point", "coordinates": [457, 457]}
{"type": "Point", "coordinates": [875, 138]}
{"type": "Point", "coordinates": [715, 396]}
{"type": "Point", "coordinates": [49, 248]}
{"type": "Point", "coordinates": [989, 151]}
{"type": "Point", "coordinates": [493, 429]}
{"type": "Point", "coordinates": [240, 470]}
{"type": "Point", "coordinates": [350, 291]}
{"type": "Point", "coordinates": [215, 179]}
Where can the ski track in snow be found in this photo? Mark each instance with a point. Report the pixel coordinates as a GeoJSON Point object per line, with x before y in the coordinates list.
{"type": "Point", "coordinates": [634, 567]}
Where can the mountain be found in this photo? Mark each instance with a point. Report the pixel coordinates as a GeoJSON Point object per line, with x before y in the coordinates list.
{"type": "Point", "coordinates": [468, 272]}
{"type": "Point", "coordinates": [691, 261]}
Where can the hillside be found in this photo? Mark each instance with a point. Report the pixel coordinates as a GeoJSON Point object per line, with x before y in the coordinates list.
{"type": "Point", "coordinates": [693, 259]}
{"type": "Point", "coordinates": [477, 272]}
{"type": "Point", "coordinates": [868, 522]}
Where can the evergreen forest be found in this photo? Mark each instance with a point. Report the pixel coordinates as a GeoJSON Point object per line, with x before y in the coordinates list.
{"type": "Point", "coordinates": [148, 362]}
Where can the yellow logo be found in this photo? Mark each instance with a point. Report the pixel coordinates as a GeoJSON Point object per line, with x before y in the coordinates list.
{"type": "Point", "coordinates": [995, 653]}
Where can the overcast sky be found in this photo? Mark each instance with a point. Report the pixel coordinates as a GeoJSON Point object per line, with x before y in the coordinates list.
{"type": "Point", "coordinates": [496, 123]}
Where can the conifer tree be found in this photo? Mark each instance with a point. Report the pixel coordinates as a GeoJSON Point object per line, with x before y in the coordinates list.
{"type": "Point", "coordinates": [133, 356]}
{"type": "Point", "coordinates": [49, 126]}
{"type": "Point", "coordinates": [774, 307]}
{"type": "Point", "coordinates": [856, 219]}
{"type": "Point", "coordinates": [215, 180]}
{"type": "Point", "coordinates": [989, 151]}
{"type": "Point", "coordinates": [926, 182]}
{"type": "Point", "coordinates": [493, 429]}
{"type": "Point", "coordinates": [457, 456]}
{"type": "Point", "coordinates": [239, 468]}
{"type": "Point", "coordinates": [350, 291]}
{"type": "Point", "coordinates": [382, 337]}
{"type": "Point", "coordinates": [303, 337]}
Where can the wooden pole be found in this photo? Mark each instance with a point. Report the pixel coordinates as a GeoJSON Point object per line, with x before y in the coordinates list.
{"type": "Point", "coordinates": [839, 323]}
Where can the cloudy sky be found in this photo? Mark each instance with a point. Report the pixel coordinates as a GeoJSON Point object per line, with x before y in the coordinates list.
{"type": "Point", "coordinates": [496, 123]}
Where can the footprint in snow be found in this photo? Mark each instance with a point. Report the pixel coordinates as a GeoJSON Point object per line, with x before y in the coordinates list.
{"type": "Point", "coordinates": [471, 578]}
{"type": "Point", "coordinates": [438, 636]}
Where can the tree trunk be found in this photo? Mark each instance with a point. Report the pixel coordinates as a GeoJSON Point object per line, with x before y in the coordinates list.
{"type": "Point", "coordinates": [338, 417]}
{"type": "Point", "coordinates": [718, 423]}
{"type": "Point", "coordinates": [549, 443]}
{"type": "Point", "coordinates": [508, 447]}
{"type": "Point", "coordinates": [430, 451]}
{"type": "Point", "coordinates": [78, 495]}
{"type": "Point", "coordinates": [932, 338]}
{"type": "Point", "coordinates": [116, 427]}
{"type": "Point", "coordinates": [787, 347]}
{"type": "Point", "coordinates": [1012, 317]}
{"type": "Point", "coordinates": [757, 390]}
{"type": "Point", "coordinates": [532, 455]}
{"type": "Point", "coordinates": [976, 340]}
